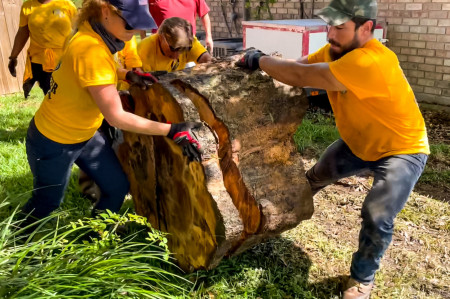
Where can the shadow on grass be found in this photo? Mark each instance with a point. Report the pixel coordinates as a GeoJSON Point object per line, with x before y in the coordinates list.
{"type": "Point", "coordinates": [278, 268]}
{"type": "Point", "coordinates": [16, 190]}
{"type": "Point", "coordinates": [18, 134]}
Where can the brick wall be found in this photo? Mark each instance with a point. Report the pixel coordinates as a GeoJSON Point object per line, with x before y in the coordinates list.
{"type": "Point", "coordinates": [418, 32]}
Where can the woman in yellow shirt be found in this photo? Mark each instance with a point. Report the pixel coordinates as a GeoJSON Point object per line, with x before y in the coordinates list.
{"type": "Point", "coordinates": [82, 93]}
{"type": "Point", "coordinates": [47, 23]}
{"type": "Point", "coordinates": [172, 47]}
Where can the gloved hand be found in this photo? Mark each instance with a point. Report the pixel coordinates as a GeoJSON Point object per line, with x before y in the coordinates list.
{"type": "Point", "coordinates": [143, 80]}
{"type": "Point", "coordinates": [250, 60]}
{"type": "Point", "coordinates": [12, 66]}
{"type": "Point", "coordinates": [181, 134]}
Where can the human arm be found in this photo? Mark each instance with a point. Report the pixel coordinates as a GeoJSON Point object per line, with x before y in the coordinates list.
{"type": "Point", "coordinates": [110, 105]}
{"type": "Point", "coordinates": [130, 56]}
{"type": "Point", "coordinates": [204, 58]}
{"type": "Point", "coordinates": [317, 75]}
{"type": "Point", "coordinates": [22, 35]}
{"type": "Point", "coordinates": [206, 22]}
{"type": "Point", "coordinates": [303, 59]}
{"type": "Point", "coordinates": [198, 53]}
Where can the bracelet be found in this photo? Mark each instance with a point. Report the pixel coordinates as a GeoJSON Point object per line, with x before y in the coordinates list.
{"type": "Point", "coordinates": [10, 57]}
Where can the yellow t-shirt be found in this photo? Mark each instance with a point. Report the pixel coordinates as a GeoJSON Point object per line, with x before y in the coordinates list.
{"type": "Point", "coordinates": [68, 113]}
{"type": "Point", "coordinates": [49, 25]}
{"type": "Point", "coordinates": [128, 56]}
{"type": "Point", "coordinates": [378, 115]}
{"type": "Point", "coordinates": [128, 59]}
{"type": "Point", "coordinates": [153, 60]}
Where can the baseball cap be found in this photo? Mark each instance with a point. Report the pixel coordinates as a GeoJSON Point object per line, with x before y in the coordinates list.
{"type": "Point", "coordinates": [135, 13]}
{"type": "Point", "coordinates": [341, 11]}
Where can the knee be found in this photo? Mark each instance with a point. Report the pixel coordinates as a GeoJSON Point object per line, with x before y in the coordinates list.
{"type": "Point", "coordinates": [314, 182]}
{"type": "Point", "coordinates": [378, 218]}
{"type": "Point", "coordinates": [118, 189]}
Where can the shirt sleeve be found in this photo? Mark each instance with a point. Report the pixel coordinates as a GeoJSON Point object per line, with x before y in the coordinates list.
{"type": "Point", "coordinates": [95, 67]}
{"type": "Point", "coordinates": [131, 57]}
{"type": "Point", "coordinates": [143, 53]}
{"type": "Point", "coordinates": [202, 8]}
{"type": "Point", "coordinates": [319, 55]}
{"type": "Point", "coordinates": [24, 12]}
{"type": "Point", "coordinates": [360, 73]}
{"type": "Point", "coordinates": [196, 51]}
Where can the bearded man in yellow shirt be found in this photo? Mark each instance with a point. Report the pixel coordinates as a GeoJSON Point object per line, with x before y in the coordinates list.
{"type": "Point", "coordinates": [381, 126]}
{"type": "Point", "coordinates": [172, 47]}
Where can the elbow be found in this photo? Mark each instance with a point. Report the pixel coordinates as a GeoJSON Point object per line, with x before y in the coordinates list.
{"type": "Point", "coordinates": [204, 58]}
{"type": "Point", "coordinates": [114, 120]}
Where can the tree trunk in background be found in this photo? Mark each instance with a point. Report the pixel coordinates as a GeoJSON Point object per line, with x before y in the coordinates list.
{"type": "Point", "coordinates": [250, 185]}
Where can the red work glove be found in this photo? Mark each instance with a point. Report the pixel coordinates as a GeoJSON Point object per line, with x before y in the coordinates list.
{"type": "Point", "coordinates": [182, 135]}
{"type": "Point", "coordinates": [143, 80]}
{"type": "Point", "coordinates": [250, 60]}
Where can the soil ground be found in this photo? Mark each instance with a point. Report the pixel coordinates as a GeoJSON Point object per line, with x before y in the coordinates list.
{"type": "Point", "coordinates": [420, 243]}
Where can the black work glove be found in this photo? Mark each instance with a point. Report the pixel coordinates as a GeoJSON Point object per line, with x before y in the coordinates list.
{"type": "Point", "coordinates": [181, 134]}
{"type": "Point", "coordinates": [250, 60]}
{"type": "Point", "coordinates": [12, 66]}
{"type": "Point", "coordinates": [143, 80]}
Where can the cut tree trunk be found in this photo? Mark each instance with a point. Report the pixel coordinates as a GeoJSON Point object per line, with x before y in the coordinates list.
{"type": "Point", "coordinates": [251, 182]}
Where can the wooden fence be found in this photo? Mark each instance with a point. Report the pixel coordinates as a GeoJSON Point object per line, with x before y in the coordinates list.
{"type": "Point", "coordinates": [9, 23]}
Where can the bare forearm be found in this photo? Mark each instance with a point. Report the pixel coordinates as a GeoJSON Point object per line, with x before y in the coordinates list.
{"type": "Point", "coordinates": [208, 39]}
{"type": "Point", "coordinates": [207, 25]}
{"type": "Point", "coordinates": [287, 71]}
{"type": "Point", "coordinates": [109, 103]}
{"type": "Point", "coordinates": [20, 41]}
{"type": "Point", "coordinates": [130, 122]}
{"type": "Point", "coordinates": [294, 73]}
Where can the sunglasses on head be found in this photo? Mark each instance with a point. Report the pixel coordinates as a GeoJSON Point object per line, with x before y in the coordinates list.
{"type": "Point", "coordinates": [127, 26]}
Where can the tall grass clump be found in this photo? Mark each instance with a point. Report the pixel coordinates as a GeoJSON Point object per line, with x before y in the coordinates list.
{"type": "Point", "coordinates": [316, 133]}
{"type": "Point", "coordinates": [88, 258]}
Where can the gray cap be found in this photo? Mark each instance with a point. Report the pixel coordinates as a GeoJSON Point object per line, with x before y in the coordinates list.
{"type": "Point", "coordinates": [341, 11]}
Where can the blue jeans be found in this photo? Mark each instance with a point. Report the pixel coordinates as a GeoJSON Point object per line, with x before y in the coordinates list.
{"type": "Point", "coordinates": [51, 164]}
{"type": "Point", "coordinates": [394, 179]}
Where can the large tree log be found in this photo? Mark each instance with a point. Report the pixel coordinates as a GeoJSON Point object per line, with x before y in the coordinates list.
{"type": "Point", "coordinates": [250, 184]}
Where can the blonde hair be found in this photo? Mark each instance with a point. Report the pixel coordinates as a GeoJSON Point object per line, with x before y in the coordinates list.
{"type": "Point", "coordinates": [171, 27]}
{"type": "Point", "coordinates": [91, 10]}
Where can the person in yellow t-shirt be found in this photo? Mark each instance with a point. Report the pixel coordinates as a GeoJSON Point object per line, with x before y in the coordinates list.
{"type": "Point", "coordinates": [47, 23]}
{"type": "Point", "coordinates": [82, 93]}
{"type": "Point", "coordinates": [378, 118]}
{"type": "Point", "coordinates": [172, 47]}
{"type": "Point", "coordinates": [129, 59]}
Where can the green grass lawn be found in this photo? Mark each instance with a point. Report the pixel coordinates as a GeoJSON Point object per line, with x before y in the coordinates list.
{"type": "Point", "coordinates": [70, 256]}
{"type": "Point", "coordinates": [309, 261]}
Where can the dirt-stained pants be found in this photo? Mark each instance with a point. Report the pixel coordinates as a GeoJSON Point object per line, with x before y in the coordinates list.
{"type": "Point", "coordinates": [394, 179]}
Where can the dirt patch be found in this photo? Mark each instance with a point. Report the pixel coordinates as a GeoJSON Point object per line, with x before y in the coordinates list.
{"type": "Point", "coordinates": [435, 179]}
{"type": "Point", "coordinates": [438, 126]}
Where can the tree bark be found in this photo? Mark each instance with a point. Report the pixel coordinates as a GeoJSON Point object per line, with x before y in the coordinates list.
{"type": "Point", "coordinates": [250, 184]}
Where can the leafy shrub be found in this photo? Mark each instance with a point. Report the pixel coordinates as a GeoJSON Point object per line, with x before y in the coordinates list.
{"type": "Point", "coordinates": [88, 258]}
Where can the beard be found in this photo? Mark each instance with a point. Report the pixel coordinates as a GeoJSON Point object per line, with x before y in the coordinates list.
{"type": "Point", "coordinates": [345, 49]}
